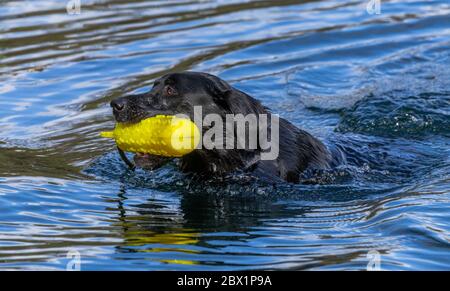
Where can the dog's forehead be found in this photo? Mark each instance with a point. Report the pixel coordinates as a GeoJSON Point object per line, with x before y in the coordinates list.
{"type": "Point", "coordinates": [186, 79]}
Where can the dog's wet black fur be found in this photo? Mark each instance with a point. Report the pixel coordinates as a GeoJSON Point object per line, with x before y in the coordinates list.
{"type": "Point", "coordinates": [178, 93]}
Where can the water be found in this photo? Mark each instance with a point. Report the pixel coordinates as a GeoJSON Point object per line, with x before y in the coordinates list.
{"type": "Point", "coordinates": [377, 85]}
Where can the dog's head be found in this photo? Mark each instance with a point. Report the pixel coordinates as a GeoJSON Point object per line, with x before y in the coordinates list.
{"type": "Point", "coordinates": [179, 93]}
{"type": "Point", "coordinates": [176, 93]}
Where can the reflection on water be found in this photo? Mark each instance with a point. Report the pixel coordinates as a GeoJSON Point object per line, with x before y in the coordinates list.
{"type": "Point", "coordinates": [375, 85]}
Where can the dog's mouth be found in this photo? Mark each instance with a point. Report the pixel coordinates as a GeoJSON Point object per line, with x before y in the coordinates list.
{"type": "Point", "coordinates": [138, 115]}
{"type": "Point", "coordinates": [140, 160]}
{"type": "Point", "coordinates": [147, 161]}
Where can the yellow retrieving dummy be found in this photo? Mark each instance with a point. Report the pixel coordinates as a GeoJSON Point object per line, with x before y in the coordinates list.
{"type": "Point", "coordinates": [162, 135]}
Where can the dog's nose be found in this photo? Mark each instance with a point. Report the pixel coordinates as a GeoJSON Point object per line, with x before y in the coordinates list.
{"type": "Point", "coordinates": [119, 104]}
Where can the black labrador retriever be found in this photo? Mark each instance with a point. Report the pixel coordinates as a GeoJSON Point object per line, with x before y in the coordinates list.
{"type": "Point", "coordinates": [178, 93]}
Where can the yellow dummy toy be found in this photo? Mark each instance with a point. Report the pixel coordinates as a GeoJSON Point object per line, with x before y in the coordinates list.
{"type": "Point", "coordinates": [162, 135]}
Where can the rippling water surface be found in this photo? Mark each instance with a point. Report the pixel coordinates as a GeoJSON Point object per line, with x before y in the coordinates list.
{"type": "Point", "coordinates": [377, 85]}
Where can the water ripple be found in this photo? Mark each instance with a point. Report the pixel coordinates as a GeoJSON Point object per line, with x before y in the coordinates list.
{"type": "Point", "coordinates": [376, 86]}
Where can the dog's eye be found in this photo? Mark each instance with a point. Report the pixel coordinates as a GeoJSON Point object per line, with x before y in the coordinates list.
{"type": "Point", "coordinates": [170, 91]}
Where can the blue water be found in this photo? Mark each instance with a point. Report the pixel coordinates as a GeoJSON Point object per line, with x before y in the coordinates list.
{"type": "Point", "coordinates": [376, 85]}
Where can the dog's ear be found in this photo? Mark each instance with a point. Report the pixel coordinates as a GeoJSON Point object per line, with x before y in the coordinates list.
{"type": "Point", "coordinates": [219, 90]}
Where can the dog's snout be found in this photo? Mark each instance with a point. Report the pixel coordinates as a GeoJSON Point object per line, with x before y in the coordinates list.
{"type": "Point", "coordinates": [119, 104]}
